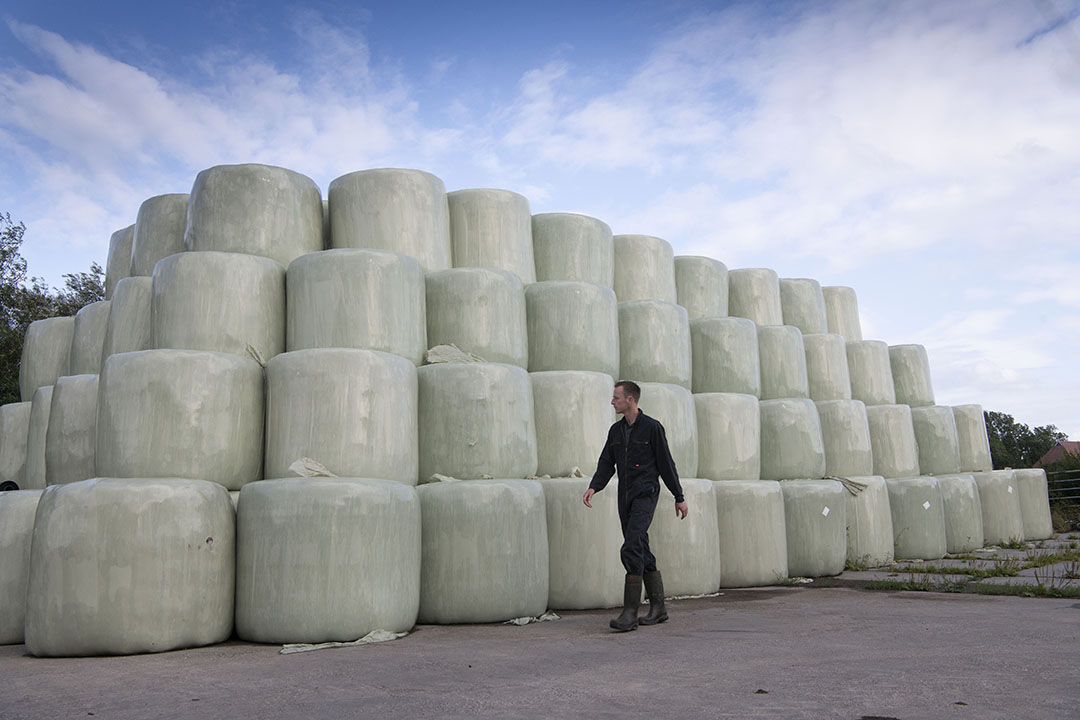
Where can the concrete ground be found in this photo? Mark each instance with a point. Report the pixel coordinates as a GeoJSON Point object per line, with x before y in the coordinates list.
{"type": "Point", "coordinates": [787, 652]}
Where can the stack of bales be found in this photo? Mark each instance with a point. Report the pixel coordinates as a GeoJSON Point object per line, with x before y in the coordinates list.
{"type": "Point", "coordinates": [437, 368]}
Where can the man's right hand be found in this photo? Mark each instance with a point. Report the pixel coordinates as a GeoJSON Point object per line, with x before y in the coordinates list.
{"type": "Point", "coordinates": [588, 496]}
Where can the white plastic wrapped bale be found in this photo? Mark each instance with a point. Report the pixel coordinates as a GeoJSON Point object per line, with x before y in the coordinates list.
{"type": "Point", "coordinates": [34, 478]}
{"type": "Point", "coordinates": [326, 559]}
{"type": "Point", "coordinates": [911, 375]}
{"type": "Point", "coordinates": [754, 293]}
{"type": "Point", "coordinates": [869, 523]}
{"type": "Point", "coordinates": [999, 498]}
{"type": "Point", "coordinates": [688, 550]}
{"type": "Point", "coordinates": [826, 367]}
{"type": "Point", "coordinates": [1034, 503]}
{"type": "Point", "coordinates": [485, 551]}
{"type": "Point", "coordinates": [871, 373]}
{"type": "Point", "coordinates": [791, 444]}
{"type": "Point", "coordinates": [88, 338]}
{"type": "Point", "coordinates": [128, 328]}
{"type": "Point", "coordinates": [845, 433]}
{"type": "Point", "coordinates": [701, 285]}
{"type": "Point", "coordinates": [935, 437]}
{"type": "Point", "coordinates": [156, 406]}
{"type": "Point", "coordinates": [673, 406]}
{"type": "Point", "coordinates": [572, 326]}
{"type": "Point", "coordinates": [815, 517]}
{"type": "Point", "coordinates": [573, 413]}
{"type": "Point", "coordinates": [367, 299]}
{"type": "Point", "coordinates": [725, 356]}
{"type": "Point", "coordinates": [803, 305]}
{"type": "Point", "coordinates": [353, 411]}
{"type": "Point", "coordinates": [476, 420]}
{"type": "Point", "coordinates": [158, 233]}
{"type": "Point", "coordinates": [71, 440]}
{"type": "Point", "coordinates": [17, 510]}
{"type": "Point", "coordinates": [842, 312]}
{"type": "Point", "coordinates": [120, 567]}
{"type": "Point", "coordinates": [219, 301]}
{"type": "Point", "coordinates": [403, 211]}
{"type": "Point", "coordinates": [729, 436]}
{"type": "Point", "coordinates": [481, 311]}
{"type": "Point", "coordinates": [14, 430]}
{"type": "Point", "coordinates": [644, 269]}
{"type": "Point", "coordinates": [783, 363]}
{"type": "Point", "coordinates": [118, 265]}
{"type": "Point", "coordinates": [568, 246]}
{"type": "Point", "coordinates": [918, 518]}
{"type": "Point", "coordinates": [492, 229]}
{"type": "Point", "coordinates": [973, 441]}
{"type": "Point", "coordinates": [257, 210]}
{"type": "Point", "coordinates": [654, 342]}
{"type": "Point", "coordinates": [46, 354]}
{"type": "Point", "coordinates": [892, 441]}
{"type": "Point", "coordinates": [584, 568]}
{"type": "Point", "coordinates": [963, 513]}
{"type": "Point", "coordinates": [753, 535]}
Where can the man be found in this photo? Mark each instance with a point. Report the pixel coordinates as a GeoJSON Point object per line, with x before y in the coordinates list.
{"type": "Point", "coordinates": [637, 446]}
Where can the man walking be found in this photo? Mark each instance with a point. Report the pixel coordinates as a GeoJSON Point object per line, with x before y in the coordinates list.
{"type": "Point", "coordinates": [637, 446]}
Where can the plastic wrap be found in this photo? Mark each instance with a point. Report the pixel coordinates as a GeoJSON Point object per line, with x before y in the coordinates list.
{"type": "Point", "coordinates": [158, 232]}
{"type": "Point", "coordinates": [481, 311]}
{"type": "Point", "coordinates": [754, 293]}
{"type": "Point", "coordinates": [673, 406]}
{"type": "Point", "coordinates": [129, 327]}
{"type": "Point", "coordinates": [725, 356]}
{"type": "Point", "coordinates": [17, 510]}
{"type": "Point", "coordinates": [803, 305]}
{"type": "Point", "coordinates": [688, 549]}
{"type": "Point", "coordinates": [71, 441]}
{"type": "Point", "coordinates": [1034, 503]}
{"type": "Point", "coordinates": [14, 430]}
{"type": "Point", "coordinates": [935, 437]}
{"type": "Point", "coordinates": [567, 246]}
{"type": "Point", "coordinates": [783, 363]}
{"type": "Point", "coordinates": [871, 373]}
{"type": "Point", "coordinates": [366, 299]}
{"type": "Point", "coordinates": [644, 269]}
{"type": "Point", "coordinates": [326, 559]}
{"type": "Point", "coordinates": [729, 436]}
{"type": "Point", "coordinates": [892, 440]}
{"type": "Point", "coordinates": [845, 433]}
{"type": "Point", "coordinates": [842, 312]}
{"type": "Point", "coordinates": [354, 411]}
{"type": "Point", "coordinates": [492, 229]}
{"type": "Point", "coordinates": [918, 518]}
{"type": "Point", "coordinates": [34, 476]}
{"type": "Point", "coordinates": [485, 551]}
{"type": "Point", "coordinates": [999, 498]}
{"type": "Point", "coordinates": [476, 420]}
{"type": "Point", "coordinates": [88, 338]}
{"type": "Point", "coordinates": [791, 444]}
{"type": "Point", "coordinates": [974, 444]}
{"type": "Point", "coordinates": [826, 367]}
{"type": "Point", "coordinates": [654, 342]}
{"type": "Point", "coordinates": [815, 516]}
{"type": "Point", "coordinates": [753, 535]}
{"type": "Point", "coordinates": [257, 210]}
{"type": "Point", "coordinates": [46, 354]}
{"type": "Point", "coordinates": [120, 567]}
{"type": "Point", "coordinates": [963, 513]}
{"type": "Point", "coordinates": [118, 265]}
{"type": "Point", "coordinates": [701, 285]}
{"type": "Point", "coordinates": [573, 413]}
{"type": "Point", "coordinates": [224, 302]}
{"type": "Point", "coordinates": [911, 375]}
{"type": "Point", "coordinates": [572, 326]}
{"type": "Point", "coordinates": [156, 406]}
{"type": "Point", "coordinates": [869, 524]}
{"type": "Point", "coordinates": [403, 211]}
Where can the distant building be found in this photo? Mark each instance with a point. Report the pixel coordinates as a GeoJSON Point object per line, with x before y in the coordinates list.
{"type": "Point", "coordinates": [1058, 452]}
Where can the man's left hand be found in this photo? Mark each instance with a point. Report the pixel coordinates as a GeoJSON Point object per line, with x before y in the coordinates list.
{"type": "Point", "coordinates": [681, 510]}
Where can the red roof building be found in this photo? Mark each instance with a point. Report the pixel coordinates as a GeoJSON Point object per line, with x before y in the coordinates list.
{"type": "Point", "coordinates": [1058, 452]}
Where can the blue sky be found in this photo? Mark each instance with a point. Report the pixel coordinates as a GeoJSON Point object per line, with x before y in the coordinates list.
{"type": "Point", "coordinates": [924, 153]}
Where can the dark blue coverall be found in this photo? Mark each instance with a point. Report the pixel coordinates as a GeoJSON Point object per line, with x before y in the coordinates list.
{"type": "Point", "coordinates": [640, 453]}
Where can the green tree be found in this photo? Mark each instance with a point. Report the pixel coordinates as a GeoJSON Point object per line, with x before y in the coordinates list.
{"type": "Point", "coordinates": [1015, 445]}
{"type": "Point", "coordinates": [24, 300]}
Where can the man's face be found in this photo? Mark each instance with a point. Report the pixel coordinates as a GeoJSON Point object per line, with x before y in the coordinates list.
{"type": "Point", "coordinates": [620, 401]}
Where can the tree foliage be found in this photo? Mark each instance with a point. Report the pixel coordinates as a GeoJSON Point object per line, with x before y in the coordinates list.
{"type": "Point", "coordinates": [1015, 445]}
{"type": "Point", "coordinates": [24, 300]}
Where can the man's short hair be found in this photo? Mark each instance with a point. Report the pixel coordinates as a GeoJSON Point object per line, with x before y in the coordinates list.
{"type": "Point", "coordinates": [630, 388]}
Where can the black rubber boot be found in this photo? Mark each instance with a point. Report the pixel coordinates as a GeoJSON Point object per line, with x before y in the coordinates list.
{"type": "Point", "coordinates": [654, 588]}
{"type": "Point", "coordinates": [628, 619]}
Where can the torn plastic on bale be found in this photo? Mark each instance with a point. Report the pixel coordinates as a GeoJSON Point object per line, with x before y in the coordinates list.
{"type": "Point", "coordinates": [546, 617]}
{"type": "Point", "coordinates": [306, 467]}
